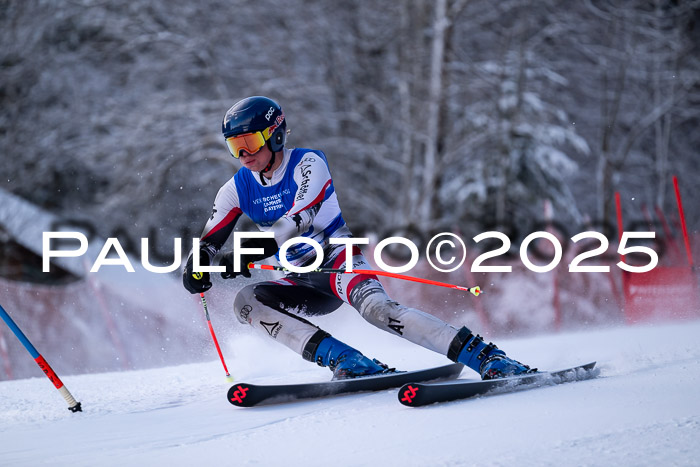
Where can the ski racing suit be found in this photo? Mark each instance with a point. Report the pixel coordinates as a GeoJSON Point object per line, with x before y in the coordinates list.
{"type": "Point", "coordinates": [300, 200]}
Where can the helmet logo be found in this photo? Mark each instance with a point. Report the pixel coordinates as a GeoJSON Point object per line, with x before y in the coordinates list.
{"type": "Point", "coordinates": [269, 113]}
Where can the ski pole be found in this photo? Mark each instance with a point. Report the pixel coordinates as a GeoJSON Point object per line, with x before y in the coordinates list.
{"type": "Point", "coordinates": [229, 378]}
{"type": "Point", "coordinates": [73, 405]}
{"type": "Point", "coordinates": [476, 290]}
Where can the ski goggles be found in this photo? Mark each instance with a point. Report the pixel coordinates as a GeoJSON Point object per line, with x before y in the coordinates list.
{"type": "Point", "coordinates": [249, 142]}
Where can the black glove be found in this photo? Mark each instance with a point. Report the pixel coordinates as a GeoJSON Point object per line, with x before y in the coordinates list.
{"type": "Point", "coordinates": [196, 282]}
{"type": "Point", "coordinates": [268, 244]}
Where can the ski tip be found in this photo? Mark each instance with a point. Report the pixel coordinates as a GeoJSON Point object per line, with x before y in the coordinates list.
{"type": "Point", "coordinates": [408, 394]}
{"type": "Point", "coordinates": [237, 395]}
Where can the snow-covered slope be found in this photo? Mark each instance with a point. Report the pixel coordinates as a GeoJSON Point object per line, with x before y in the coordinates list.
{"type": "Point", "coordinates": [644, 409]}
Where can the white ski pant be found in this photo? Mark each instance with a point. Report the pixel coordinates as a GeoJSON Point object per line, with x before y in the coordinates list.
{"type": "Point", "coordinates": [280, 308]}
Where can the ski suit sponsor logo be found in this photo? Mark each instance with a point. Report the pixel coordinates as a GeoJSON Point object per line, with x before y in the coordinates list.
{"type": "Point", "coordinates": [272, 202]}
{"type": "Point", "coordinates": [396, 325]}
{"type": "Point", "coordinates": [273, 329]}
{"type": "Point", "coordinates": [339, 284]}
{"type": "Point", "coordinates": [245, 312]}
{"type": "Point", "coordinates": [306, 177]}
{"type": "Point", "coordinates": [339, 278]}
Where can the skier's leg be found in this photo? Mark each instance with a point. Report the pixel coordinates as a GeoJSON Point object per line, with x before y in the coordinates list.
{"type": "Point", "coordinates": [374, 305]}
{"type": "Point", "coordinates": [282, 324]}
{"type": "Point", "coordinates": [366, 294]}
{"type": "Point", "coordinates": [459, 345]}
{"type": "Point", "coordinates": [276, 308]}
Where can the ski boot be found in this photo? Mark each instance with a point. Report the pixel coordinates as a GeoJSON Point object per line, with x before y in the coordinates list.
{"type": "Point", "coordinates": [486, 359]}
{"type": "Point", "coordinates": [344, 361]}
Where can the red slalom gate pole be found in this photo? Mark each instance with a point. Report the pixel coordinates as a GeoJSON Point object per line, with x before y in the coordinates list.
{"type": "Point", "coordinates": [229, 378]}
{"type": "Point", "coordinates": [476, 290]}
{"type": "Point", "coordinates": [686, 239]}
{"type": "Point", "coordinates": [73, 405]}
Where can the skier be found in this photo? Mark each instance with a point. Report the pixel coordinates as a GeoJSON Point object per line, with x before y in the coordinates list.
{"type": "Point", "coordinates": [290, 192]}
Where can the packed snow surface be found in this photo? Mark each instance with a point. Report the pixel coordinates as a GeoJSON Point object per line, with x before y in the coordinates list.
{"type": "Point", "coordinates": [644, 409]}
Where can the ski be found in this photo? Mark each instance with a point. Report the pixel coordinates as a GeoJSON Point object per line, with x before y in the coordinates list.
{"type": "Point", "coordinates": [416, 394]}
{"type": "Point", "coordinates": [249, 395]}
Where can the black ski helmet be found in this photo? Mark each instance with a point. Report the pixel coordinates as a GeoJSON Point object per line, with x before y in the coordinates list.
{"type": "Point", "coordinates": [253, 114]}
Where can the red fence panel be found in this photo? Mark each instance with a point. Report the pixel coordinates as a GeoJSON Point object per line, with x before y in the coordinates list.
{"type": "Point", "coordinates": [660, 294]}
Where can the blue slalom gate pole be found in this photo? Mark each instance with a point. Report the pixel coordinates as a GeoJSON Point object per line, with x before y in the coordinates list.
{"type": "Point", "coordinates": [73, 405]}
